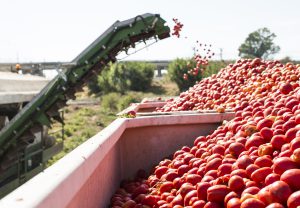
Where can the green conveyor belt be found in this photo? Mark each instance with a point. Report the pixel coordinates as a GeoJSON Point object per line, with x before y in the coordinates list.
{"type": "Point", "coordinates": [20, 132]}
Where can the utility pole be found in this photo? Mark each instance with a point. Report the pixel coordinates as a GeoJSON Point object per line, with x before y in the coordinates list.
{"type": "Point", "coordinates": [221, 54]}
{"type": "Point", "coordinates": [194, 51]}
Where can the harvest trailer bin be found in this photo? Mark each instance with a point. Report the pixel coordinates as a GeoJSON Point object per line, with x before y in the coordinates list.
{"type": "Point", "coordinates": [89, 175]}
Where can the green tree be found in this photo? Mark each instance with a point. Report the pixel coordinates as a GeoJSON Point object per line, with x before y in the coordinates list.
{"type": "Point", "coordinates": [123, 77]}
{"type": "Point", "coordinates": [259, 44]}
{"type": "Point", "coordinates": [286, 60]}
{"type": "Point", "coordinates": [177, 69]}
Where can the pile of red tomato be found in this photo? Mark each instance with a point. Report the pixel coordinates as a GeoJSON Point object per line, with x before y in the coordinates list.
{"type": "Point", "coordinates": [251, 161]}
{"type": "Point", "coordinates": [249, 79]}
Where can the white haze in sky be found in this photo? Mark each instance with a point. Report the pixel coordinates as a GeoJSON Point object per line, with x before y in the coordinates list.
{"type": "Point", "coordinates": [58, 30]}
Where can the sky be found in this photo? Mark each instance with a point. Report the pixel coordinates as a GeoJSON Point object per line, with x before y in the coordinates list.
{"type": "Point", "coordinates": [58, 30]}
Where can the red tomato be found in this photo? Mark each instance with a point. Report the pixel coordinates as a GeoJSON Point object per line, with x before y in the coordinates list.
{"type": "Point", "coordinates": [295, 143]}
{"type": "Point", "coordinates": [251, 190]}
{"type": "Point", "coordinates": [265, 196]}
{"type": "Point", "coordinates": [202, 190]}
{"type": "Point", "coordinates": [294, 200]}
{"type": "Point", "coordinates": [150, 200]}
{"type": "Point", "coordinates": [296, 156]}
{"type": "Point", "coordinates": [264, 161]}
{"type": "Point", "coordinates": [267, 133]}
{"type": "Point", "coordinates": [229, 196]}
{"type": "Point", "coordinates": [217, 193]}
{"type": "Point", "coordinates": [291, 177]}
{"type": "Point", "coordinates": [236, 183]}
{"type": "Point", "coordinates": [186, 188]}
{"type": "Point", "coordinates": [254, 141]}
{"type": "Point", "coordinates": [199, 204]}
{"type": "Point", "coordinates": [277, 141]}
{"type": "Point", "coordinates": [252, 203]}
{"type": "Point", "coordinates": [280, 191]}
{"type": "Point", "coordinates": [224, 169]}
{"type": "Point", "coordinates": [129, 204]}
{"type": "Point", "coordinates": [213, 164]}
{"type": "Point", "coordinates": [193, 178]}
{"type": "Point", "coordinates": [275, 205]}
{"type": "Point", "coordinates": [183, 169]}
{"type": "Point", "coordinates": [264, 123]}
{"type": "Point", "coordinates": [212, 205]}
{"type": "Point", "coordinates": [239, 172]}
{"type": "Point", "coordinates": [166, 186]}
{"type": "Point", "coordinates": [234, 203]}
{"type": "Point", "coordinates": [160, 171]}
{"type": "Point", "coordinates": [188, 197]}
{"type": "Point", "coordinates": [265, 149]}
{"type": "Point", "coordinates": [260, 174]}
{"type": "Point", "coordinates": [282, 164]}
{"type": "Point", "coordinates": [178, 200]}
{"type": "Point", "coordinates": [271, 178]}
{"type": "Point", "coordinates": [236, 149]}
{"type": "Point", "coordinates": [244, 161]}
{"type": "Point", "coordinates": [251, 168]}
